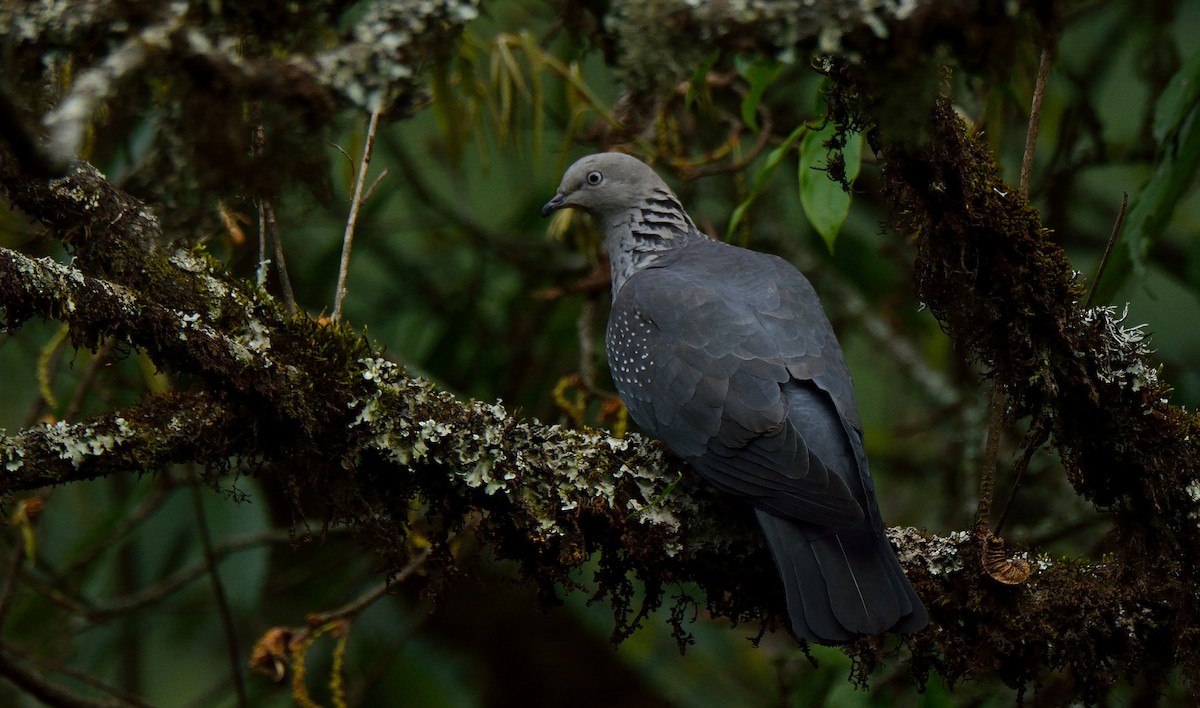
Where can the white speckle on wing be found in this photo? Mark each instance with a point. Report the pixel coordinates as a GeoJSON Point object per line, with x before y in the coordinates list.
{"type": "Point", "coordinates": [629, 349]}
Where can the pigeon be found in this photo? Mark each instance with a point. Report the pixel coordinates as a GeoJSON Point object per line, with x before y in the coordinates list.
{"type": "Point", "coordinates": [726, 355]}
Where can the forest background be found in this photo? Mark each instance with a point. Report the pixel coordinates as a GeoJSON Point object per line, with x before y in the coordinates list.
{"type": "Point", "coordinates": [414, 486]}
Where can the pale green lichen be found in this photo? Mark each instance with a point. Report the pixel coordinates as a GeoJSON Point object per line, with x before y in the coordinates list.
{"type": "Point", "coordinates": [256, 337]}
{"type": "Point", "coordinates": [663, 41]}
{"type": "Point", "coordinates": [76, 442]}
{"type": "Point", "coordinates": [14, 456]}
{"type": "Point", "coordinates": [247, 349]}
{"type": "Point", "coordinates": [937, 555]}
{"type": "Point", "coordinates": [1122, 360]}
{"type": "Point", "coordinates": [76, 192]}
{"type": "Point", "coordinates": [59, 20]}
{"type": "Point", "coordinates": [658, 37]}
{"type": "Point", "coordinates": [501, 456]}
{"type": "Point", "coordinates": [384, 55]}
{"type": "Point", "coordinates": [1193, 492]}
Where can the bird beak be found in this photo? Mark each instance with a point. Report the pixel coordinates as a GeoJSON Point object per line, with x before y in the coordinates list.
{"type": "Point", "coordinates": [553, 205]}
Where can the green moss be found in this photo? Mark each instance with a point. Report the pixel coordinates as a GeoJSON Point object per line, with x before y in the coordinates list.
{"type": "Point", "coordinates": [1007, 296]}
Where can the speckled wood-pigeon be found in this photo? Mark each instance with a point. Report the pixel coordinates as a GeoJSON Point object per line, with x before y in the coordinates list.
{"type": "Point", "coordinates": [726, 356]}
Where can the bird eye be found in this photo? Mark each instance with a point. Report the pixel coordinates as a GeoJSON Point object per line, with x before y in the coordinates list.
{"type": "Point", "coordinates": [594, 178]}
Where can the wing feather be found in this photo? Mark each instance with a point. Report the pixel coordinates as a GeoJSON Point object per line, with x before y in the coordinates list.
{"type": "Point", "coordinates": [721, 364]}
{"type": "Point", "coordinates": [745, 380]}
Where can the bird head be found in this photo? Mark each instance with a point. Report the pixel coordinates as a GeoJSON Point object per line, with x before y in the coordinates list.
{"type": "Point", "coordinates": [607, 183]}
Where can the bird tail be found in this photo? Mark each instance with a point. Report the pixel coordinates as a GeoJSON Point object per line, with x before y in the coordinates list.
{"type": "Point", "coordinates": [841, 586]}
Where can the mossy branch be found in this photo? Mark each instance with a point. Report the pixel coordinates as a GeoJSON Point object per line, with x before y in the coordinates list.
{"type": "Point", "coordinates": [551, 498]}
{"type": "Point", "coordinates": [318, 410]}
{"type": "Point", "coordinates": [1007, 295]}
{"type": "Point", "coordinates": [167, 429]}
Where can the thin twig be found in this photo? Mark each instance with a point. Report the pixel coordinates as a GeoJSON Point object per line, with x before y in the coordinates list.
{"type": "Point", "coordinates": [849, 302]}
{"type": "Point", "coordinates": [339, 148]}
{"type": "Point", "coordinates": [147, 596]}
{"type": "Point", "coordinates": [210, 564]}
{"type": "Point", "coordinates": [689, 173]}
{"type": "Point", "coordinates": [991, 452]}
{"type": "Point", "coordinates": [371, 189]}
{"type": "Point", "coordinates": [285, 283]}
{"type": "Point", "coordinates": [1035, 113]}
{"type": "Point", "coordinates": [258, 142]}
{"type": "Point", "coordinates": [1112, 242]}
{"type": "Point", "coordinates": [78, 606]}
{"type": "Point", "coordinates": [355, 202]}
{"type": "Point", "coordinates": [268, 227]}
{"type": "Point", "coordinates": [88, 379]}
{"type": "Point", "coordinates": [81, 676]}
{"type": "Point", "coordinates": [126, 604]}
{"type": "Point", "coordinates": [357, 605]}
{"type": "Point", "coordinates": [260, 273]}
{"type": "Point", "coordinates": [10, 581]}
{"type": "Point", "coordinates": [128, 524]}
{"type": "Point", "coordinates": [48, 693]}
{"type": "Point", "coordinates": [130, 663]}
{"type": "Point", "coordinates": [1037, 435]}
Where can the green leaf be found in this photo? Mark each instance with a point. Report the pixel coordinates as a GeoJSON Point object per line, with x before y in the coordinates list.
{"type": "Point", "coordinates": [448, 109]}
{"type": "Point", "coordinates": [1177, 100]}
{"type": "Point", "coordinates": [826, 203]}
{"type": "Point", "coordinates": [698, 86]}
{"type": "Point", "coordinates": [760, 178]}
{"type": "Point", "coordinates": [852, 156]}
{"type": "Point", "coordinates": [760, 74]}
{"type": "Point", "coordinates": [1177, 129]}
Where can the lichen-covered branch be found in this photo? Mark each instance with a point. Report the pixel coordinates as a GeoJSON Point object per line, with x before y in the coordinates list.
{"type": "Point", "coordinates": [96, 308]}
{"type": "Point", "coordinates": [196, 67]}
{"type": "Point", "coordinates": [164, 430]}
{"type": "Point", "coordinates": [380, 64]}
{"type": "Point", "coordinates": [551, 498]}
{"type": "Point", "coordinates": [1007, 295]}
{"type": "Point", "coordinates": [545, 496]}
{"type": "Point", "coordinates": [375, 442]}
{"type": "Point", "coordinates": [318, 410]}
{"type": "Point", "coordinates": [175, 304]}
{"type": "Point", "coordinates": [68, 122]}
{"type": "Point", "coordinates": [656, 43]}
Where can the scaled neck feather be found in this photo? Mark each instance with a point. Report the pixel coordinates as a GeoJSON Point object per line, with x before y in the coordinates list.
{"type": "Point", "coordinates": [642, 234]}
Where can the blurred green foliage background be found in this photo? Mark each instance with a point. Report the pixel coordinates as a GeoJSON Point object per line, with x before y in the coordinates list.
{"type": "Point", "coordinates": [454, 272]}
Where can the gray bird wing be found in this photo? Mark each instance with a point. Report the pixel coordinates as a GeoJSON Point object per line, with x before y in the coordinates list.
{"type": "Point", "coordinates": [706, 349]}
